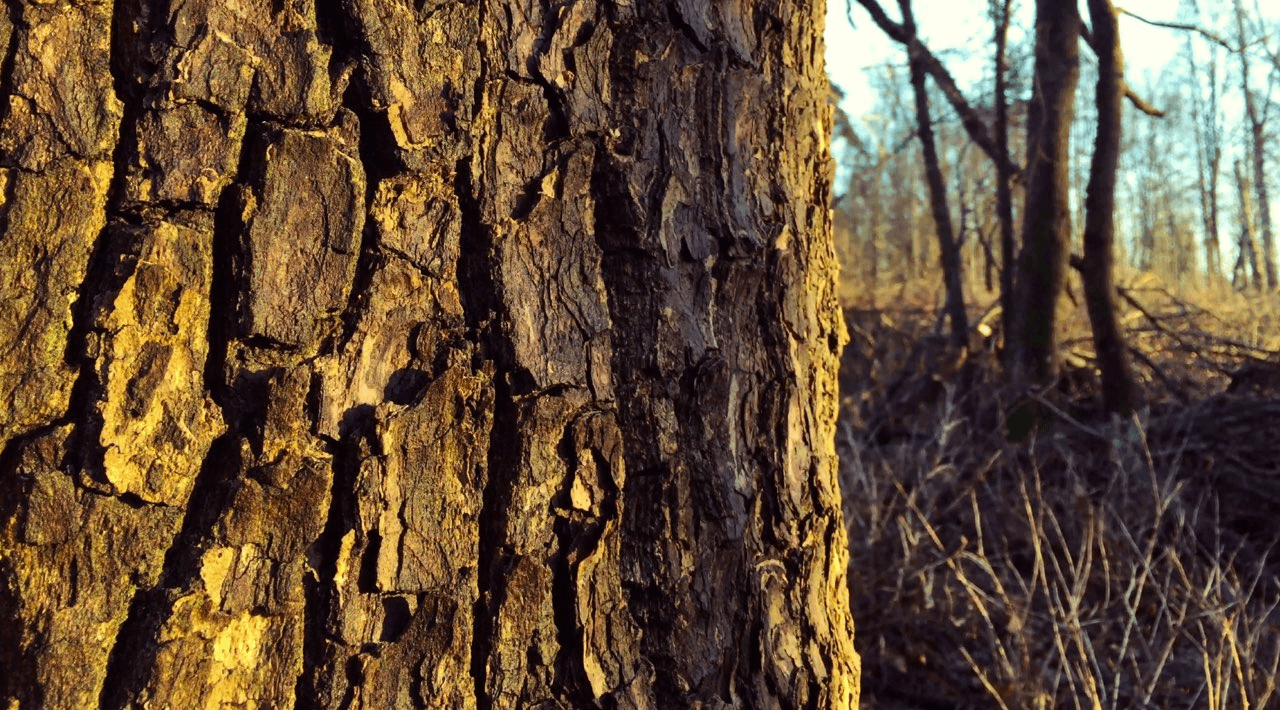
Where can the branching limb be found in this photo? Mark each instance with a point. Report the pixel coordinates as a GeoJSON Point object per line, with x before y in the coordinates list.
{"type": "Point", "coordinates": [1137, 101]}
{"type": "Point", "coordinates": [973, 124]}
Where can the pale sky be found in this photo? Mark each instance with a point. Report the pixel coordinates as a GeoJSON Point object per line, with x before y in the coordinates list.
{"type": "Point", "coordinates": [950, 27]}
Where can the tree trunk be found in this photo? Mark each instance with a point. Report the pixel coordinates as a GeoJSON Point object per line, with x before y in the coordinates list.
{"type": "Point", "coordinates": [376, 354]}
{"type": "Point", "coordinates": [948, 250]}
{"type": "Point", "coordinates": [1004, 173]}
{"type": "Point", "coordinates": [1046, 226]}
{"type": "Point", "coordinates": [1257, 144]}
{"type": "Point", "coordinates": [1208, 160]}
{"type": "Point", "coordinates": [1247, 271]}
{"type": "Point", "coordinates": [1118, 389]}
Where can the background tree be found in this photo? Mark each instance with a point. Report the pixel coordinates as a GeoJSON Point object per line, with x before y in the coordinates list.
{"type": "Point", "coordinates": [948, 248]}
{"type": "Point", "coordinates": [1256, 113]}
{"type": "Point", "coordinates": [1206, 119]}
{"type": "Point", "coordinates": [375, 354]}
{"type": "Point", "coordinates": [1118, 390]}
{"type": "Point", "coordinates": [1247, 272]}
{"type": "Point", "coordinates": [1000, 13]}
{"type": "Point", "coordinates": [1046, 225]}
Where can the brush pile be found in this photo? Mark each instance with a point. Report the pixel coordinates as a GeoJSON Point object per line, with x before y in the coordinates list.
{"type": "Point", "coordinates": [1092, 564]}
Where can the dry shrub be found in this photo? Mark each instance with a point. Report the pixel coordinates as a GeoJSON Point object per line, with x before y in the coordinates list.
{"type": "Point", "coordinates": [1102, 565]}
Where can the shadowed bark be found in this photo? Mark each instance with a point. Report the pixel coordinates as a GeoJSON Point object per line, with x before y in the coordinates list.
{"type": "Point", "coordinates": [375, 354]}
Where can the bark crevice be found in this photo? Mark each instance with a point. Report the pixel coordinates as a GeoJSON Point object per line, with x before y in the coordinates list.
{"type": "Point", "coordinates": [378, 156]}
{"type": "Point", "coordinates": [13, 10]}
{"type": "Point", "coordinates": [111, 263]}
{"type": "Point", "coordinates": [136, 644]}
{"type": "Point", "coordinates": [493, 559]}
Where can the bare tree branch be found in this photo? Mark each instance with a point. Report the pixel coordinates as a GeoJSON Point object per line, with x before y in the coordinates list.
{"type": "Point", "coordinates": [1140, 104]}
{"type": "Point", "coordinates": [976, 128]}
{"type": "Point", "coordinates": [1137, 101]}
{"type": "Point", "coordinates": [848, 13]}
{"type": "Point", "coordinates": [1179, 26]}
{"type": "Point", "coordinates": [1266, 49]}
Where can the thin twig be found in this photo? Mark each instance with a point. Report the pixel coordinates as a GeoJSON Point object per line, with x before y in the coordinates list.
{"type": "Point", "coordinates": [1173, 387]}
{"type": "Point", "coordinates": [1179, 26]}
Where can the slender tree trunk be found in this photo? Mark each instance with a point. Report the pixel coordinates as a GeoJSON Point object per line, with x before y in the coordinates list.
{"type": "Point", "coordinates": [1248, 261]}
{"type": "Point", "coordinates": [384, 355]}
{"type": "Point", "coordinates": [1213, 243]}
{"type": "Point", "coordinates": [948, 249]}
{"type": "Point", "coordinates": [904, 222]}
{"type": "Point", "coordinates": [1046, 226]}
{"type": "Point", "coordinates": [1118, 390]}
{"type": "Point", "coordinates": [1257, 144]}
{"type": "Point", "coordinates": [1004, 175]}
{"type": "Point", "coordinates": [1208, 160]}
{"type": "Point", "coordinates": [871, 249]}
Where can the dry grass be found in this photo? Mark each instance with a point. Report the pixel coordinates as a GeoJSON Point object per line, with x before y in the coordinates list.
{"type": "Point", "coordinates": [1100, 566]}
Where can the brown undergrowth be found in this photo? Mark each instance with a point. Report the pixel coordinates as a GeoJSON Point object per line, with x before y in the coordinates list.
{"type": "Point", "coordinates": [1095, 564]}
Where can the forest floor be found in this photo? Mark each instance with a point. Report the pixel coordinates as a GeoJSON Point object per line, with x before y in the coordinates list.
{"type": "Point", "coordinates": [1088, 563]}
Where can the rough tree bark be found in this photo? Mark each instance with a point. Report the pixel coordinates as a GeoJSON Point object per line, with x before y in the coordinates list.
{"type": "Point", "coordinates": [377, 354]}
{"type": "Point", "coordinates": [1118, 389]}
{"type": "Point", "coordinates": [1046, 225]}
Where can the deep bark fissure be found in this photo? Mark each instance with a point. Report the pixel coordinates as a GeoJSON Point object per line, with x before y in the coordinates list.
{"type": "Point", "coordinates": [686, 30]}
{"type": "Point", "coordinates": [475, 273]}
{"type": "Point", "coordinates": [380, 160]}
{"type": "Point", "coordinates": [628, 270]}
{"type": "Point", "coordinates": [136, 644]}
{"type": "Point", "coordinates": [225, 287]}
{"type": "Point", "coordinates": [111, 263]}
{"type": "Point", "coordinates": [658, 189]}
{"type": "Point", "coordinates": [133, 648]}
{"type": "Point", "coordinates": [493, 562]}
{"type": "Point", "coordinates": [321, 595]}
{"type": "Point", "coordinates": [14, 488]}
{"type": "Point", "coordinates": [577, 535]}
{"type": "Point", "coordinates": [12, 8]}
{"type": "Point", "coordinates": [481, 298]}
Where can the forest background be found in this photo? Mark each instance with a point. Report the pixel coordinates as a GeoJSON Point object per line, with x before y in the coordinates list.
{"type": "Point", "coordinates": [1160, 226]}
